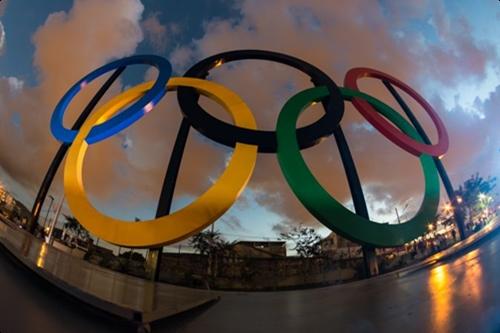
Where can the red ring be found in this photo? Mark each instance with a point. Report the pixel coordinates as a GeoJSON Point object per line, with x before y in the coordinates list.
{"type": "Point", "coordinates": [380, 123]}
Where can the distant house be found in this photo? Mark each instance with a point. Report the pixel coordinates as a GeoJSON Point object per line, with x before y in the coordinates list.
{"type": "Point", "coordinates": [12, 208]}
{"type": "Point", "coordinates": [339, 247]}
{"type": "Point", "coordinates": [6, 200]}
{"type": "Point", "coordinates": [250, 249]}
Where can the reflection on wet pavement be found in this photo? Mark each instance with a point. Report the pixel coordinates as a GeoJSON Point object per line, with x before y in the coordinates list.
{"type": "Point", "coordinates": [440, 297]}
{"type": "Point", "coordinates": [460, 295]}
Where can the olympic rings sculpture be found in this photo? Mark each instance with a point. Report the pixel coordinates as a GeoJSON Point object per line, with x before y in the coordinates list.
{"type": "Point", "coordinates": [286, 141]}
{"type": "Point", "coordinates": [125, 118]}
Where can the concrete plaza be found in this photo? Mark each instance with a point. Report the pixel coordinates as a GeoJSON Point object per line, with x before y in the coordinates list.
{"type": "Point", "coordinates": [460, 294]}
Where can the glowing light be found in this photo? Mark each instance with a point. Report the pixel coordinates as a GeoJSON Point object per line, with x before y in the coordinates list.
{"type": "Point", "coordinates": [149, 107]}
{"type": "Point", "coordinates": [441, 300]}
{"type": "Point", "coordinates": [459, 199]}
{"type": "Point", "coordinates": [218, 63]}
{"type": "Point", "coordinates": [441, 157]}
{"type": "Point", "coordinates": [430, 227]}
{"type": "Point", "coordinates": [40, 262]}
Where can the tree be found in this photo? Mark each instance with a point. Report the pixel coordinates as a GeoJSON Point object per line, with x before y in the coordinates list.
{"type": "Point", "coordinates": [207, 242]}
{"type": "Point", "coordinates": [131, 255]}
{"type": "Point", "coordinates": [74, 229]}
{"type": "Point", "coordinates": [306, 240]}
{"type": "Point", "coordinates": [210, 243]}
{"type": "Point", "coordinates": [475, 194]}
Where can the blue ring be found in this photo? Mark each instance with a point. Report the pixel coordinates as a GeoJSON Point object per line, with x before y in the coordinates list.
{"type": "Point", "coordinates": [123, 119]}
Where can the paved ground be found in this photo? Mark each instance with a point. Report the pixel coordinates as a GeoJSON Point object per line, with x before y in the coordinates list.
{"type": "Point", "coordinates": [122, 295]}
{"type": "Point", "coordinates": [462, 295]}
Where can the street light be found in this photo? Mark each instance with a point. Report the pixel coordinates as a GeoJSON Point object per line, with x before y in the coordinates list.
{"type": "Point", "coordinates": [218, 63]}
{"type": "Point", "coordinates": [397, 213]}
{"type": "Point", "coordinates": [50, 239]}
{"type": "Point", "coordinates": [48, 211]}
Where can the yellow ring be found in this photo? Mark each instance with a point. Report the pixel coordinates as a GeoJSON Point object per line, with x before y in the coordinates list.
{"type": "Point", "coordinates": [181, 224]}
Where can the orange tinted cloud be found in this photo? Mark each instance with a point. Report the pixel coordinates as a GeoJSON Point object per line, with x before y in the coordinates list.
{"type": "Point", "coordinates": [333, 37]}
{"type": "Point", "coordinates": [156, 32]}
{"type": "Point", "coordinates": [67, 46]}
{"type": "Point", "coordinates": [336, 38]}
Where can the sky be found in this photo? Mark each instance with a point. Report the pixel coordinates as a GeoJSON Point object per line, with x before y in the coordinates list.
{"type": "Point", "coordinates": [446, 50]}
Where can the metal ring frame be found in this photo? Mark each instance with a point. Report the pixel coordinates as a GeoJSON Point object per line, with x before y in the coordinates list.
{"type": "Point", "coordinates": [322, 205]}
{"type": "Point", "coordinates": [415, 147]}
{"type": "Point", "coordinates": [228, 134]}
{"type": "Point", "coordinates": [125, 118]}
{"type": "Point", "coordinates": [286, 141]}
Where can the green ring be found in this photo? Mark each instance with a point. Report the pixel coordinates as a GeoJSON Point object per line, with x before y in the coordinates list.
{"type": "Point", "coordinates": [322, 205]}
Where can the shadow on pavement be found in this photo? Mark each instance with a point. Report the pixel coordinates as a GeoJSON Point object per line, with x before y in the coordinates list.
{"type": "Point", "coordinates": [31, 304]}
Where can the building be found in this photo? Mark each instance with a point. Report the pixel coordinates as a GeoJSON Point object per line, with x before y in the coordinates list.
{"type": "Point", "coordinates": [260, 249]}
{"type": "Point", "coordinates": [13, 209]}
{"type": "Point", "coordinates": [339, 247]}
{"type": "Point", "coordinates": [6, 200]}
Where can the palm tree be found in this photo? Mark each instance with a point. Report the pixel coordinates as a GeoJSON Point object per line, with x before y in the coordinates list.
{"type": "Point", "coordinates": [75, 228]}
{"type": "Point", "coordinates": [208, 241]}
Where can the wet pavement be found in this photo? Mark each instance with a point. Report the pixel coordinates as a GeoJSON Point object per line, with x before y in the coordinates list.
{"type": "Point", "coordinates": [118, 294]}
{"type": "Point", "coordinates": [459, 295]}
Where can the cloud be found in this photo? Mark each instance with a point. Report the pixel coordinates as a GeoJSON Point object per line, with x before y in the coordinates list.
{"type": "Point", "coordinates": [67, 46]}
{"type": "Point", "coordinates": [283, 227]}
{"type": "Point", "coordinates": [232, 222]}
{"type": "Point", "coordinates": [131, 167]}
{"type": "Point", "coordinates": [456, 48]}
{"type": "Point", "coordinates": [2, 37]}
{"type": "Point", "coordinates": [156, 33]}
{"type": "Point", "coordinates": [3, 5]}
{"type": "Point", "coordinates": [126, 170]}
{"type": "Point", "coordinates": [361, 34]}
{"type": "Point", "coordinates": [474, 139]}
{"type": "Point", "coordinates": [68, 43]}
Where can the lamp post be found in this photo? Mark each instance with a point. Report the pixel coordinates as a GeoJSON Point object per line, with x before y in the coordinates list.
{"type": "Point", "coordinates": [50, 238]}
{"type": "Point", "coordinates": [48, 210]}
{"type": "Point", "coordinates": [397, 213]}
{"type": "Point", "coordinates": [459, 218]}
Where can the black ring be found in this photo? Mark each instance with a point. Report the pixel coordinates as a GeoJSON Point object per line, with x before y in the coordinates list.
{"type": "Point", "coordinates": [229, 134]}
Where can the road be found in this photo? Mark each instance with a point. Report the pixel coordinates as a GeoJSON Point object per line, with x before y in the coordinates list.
{"type": "Point", "coordinates": [460, 295]}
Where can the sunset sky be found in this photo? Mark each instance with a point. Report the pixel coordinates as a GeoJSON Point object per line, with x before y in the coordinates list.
{"type": "Point", "coordinates": [449, 51]}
